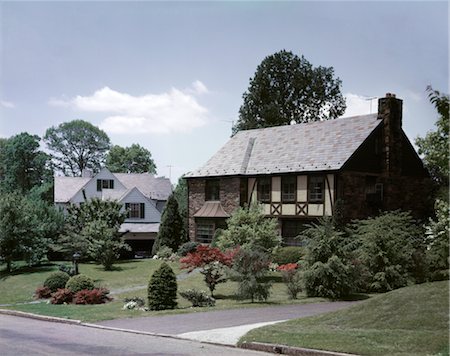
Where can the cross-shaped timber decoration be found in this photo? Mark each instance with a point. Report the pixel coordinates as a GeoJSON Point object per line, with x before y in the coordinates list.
{"type": "Point", "coordinates": [301, 209]}
{"type": "Point", "coordinates": [275, 209]}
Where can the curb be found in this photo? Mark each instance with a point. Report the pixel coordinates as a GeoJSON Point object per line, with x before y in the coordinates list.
{"type": "Point", "coordinates": [40, 317]}
{"type": "Point", "coordinates": [289, 350]}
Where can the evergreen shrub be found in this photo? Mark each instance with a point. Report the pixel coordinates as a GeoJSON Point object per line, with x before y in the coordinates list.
{"type": "Point", "coordinates": [162, 289]}
{"type": "Point", "coordinates": [56, 280]}
{"type": "Point", "coordinates": [80, 282]}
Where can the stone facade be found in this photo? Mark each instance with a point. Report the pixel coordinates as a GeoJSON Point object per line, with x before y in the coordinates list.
{"type": "Point", "coordinates": [229, 198]}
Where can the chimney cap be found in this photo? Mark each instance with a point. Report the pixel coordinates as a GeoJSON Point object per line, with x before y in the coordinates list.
{"type": "Point", "coordinates": [390, 95]}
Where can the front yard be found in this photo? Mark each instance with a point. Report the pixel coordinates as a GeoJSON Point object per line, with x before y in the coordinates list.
{"type": "Point", "coordinates": [128, 279]}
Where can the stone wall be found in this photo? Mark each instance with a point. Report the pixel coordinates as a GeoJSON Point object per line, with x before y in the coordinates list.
{"type": "Point", "coordinates": [229, 198]}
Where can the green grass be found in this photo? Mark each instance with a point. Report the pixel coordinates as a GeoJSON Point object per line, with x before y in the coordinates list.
{"type": "Point", "coordinates": [407, 321]}
{"type": "Point", "coordinates": [19, 287]}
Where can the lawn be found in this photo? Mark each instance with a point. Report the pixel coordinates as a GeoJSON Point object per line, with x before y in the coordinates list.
{"type": "Point", "coordinates": [407, 321]}
{"type": "Point", "coordinates": [19, 287]}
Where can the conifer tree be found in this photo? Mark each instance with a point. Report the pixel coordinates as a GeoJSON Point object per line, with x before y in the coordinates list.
{"type": "Point", "coordinates": [162, 289]}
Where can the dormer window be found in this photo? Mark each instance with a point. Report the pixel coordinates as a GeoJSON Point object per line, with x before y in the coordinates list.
{"type": "Point", "coordinates": [105, 184]}
{"type": "Point", "coordinates": [212, 190]}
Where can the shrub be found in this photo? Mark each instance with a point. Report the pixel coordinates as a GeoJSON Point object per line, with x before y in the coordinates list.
{"type": "Point", "coordinates": [42, 293]}
{"type": "Point", "coordinates": [80, 282]}
{"type": "Point", "coordinates": [62, 296]}
{"type": "Point", "coordinates": [198, 298]}
{"type": "Point", "coordinates": [165, 252]}
{"type": "Point", "coordinates": [288, 254]}
{"type": "Point", "coordinates": [94, 296]}
{"type": "Point", "coordinates": [56, 280]}
{"type": "Point", "coordinates": [68, 269]}
{"type": "Point", "coordinates": [162, 289]}
{"type": "Point", "coordinates": [249, 269]}
{"type": "Point", "coordinates": [292, 278]}
{"type": "Point", "coordinates": [138, 301]}
{"type": "Point", "coordinates": [187, 247]}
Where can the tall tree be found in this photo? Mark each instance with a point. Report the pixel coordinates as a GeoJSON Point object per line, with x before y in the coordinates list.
{"type": "Point", "coordinates": [287, 88]}
{"type": "Point", "coordinates": [171, 229]}
{"type": "Point", "coordinates": [22, 165]}
{"type": "Point", "coordinates": [133, 159]}
{"type": "Point", "coordinates": [181, 195]}
{"type": "Point", "coordinates": [77, 145]}
{"type": "Point", "coordinates": [435, 145]}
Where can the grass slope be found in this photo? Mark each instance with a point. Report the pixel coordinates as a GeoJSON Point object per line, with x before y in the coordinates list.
{"type": "Point", "coordinates": [407, 321]}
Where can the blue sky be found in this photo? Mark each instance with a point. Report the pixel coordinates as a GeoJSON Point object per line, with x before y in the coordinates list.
{"type": "Point", "coordinates": [170, 75]}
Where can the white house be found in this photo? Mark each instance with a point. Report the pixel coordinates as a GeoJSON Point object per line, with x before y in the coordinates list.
{"type": "Point", "coordinates": [143, 195]}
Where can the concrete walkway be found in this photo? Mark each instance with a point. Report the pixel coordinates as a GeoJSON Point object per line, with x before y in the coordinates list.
{"type": "Point", "coordinates": [222, 326]}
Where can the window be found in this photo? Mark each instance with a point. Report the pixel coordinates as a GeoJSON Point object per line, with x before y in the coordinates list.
{"type": "Point", "coordinates": [105, 184]}
{"type": "Point", "coordinates": [264, 189]}
{"type": "Point", "coordinates": [135, 210]}
{"type": "Point", "coordinates": [290, 230]}
{"type": "Point", "coordinates": [316, 189]}
{"type": "Point", "coordinates": [288, 189]}
{"type": "Point", "coordinates": [205, 232]}
{"type": "Point", "coordinates": [212, 189]}
{"type": "Point", "coordinates": [374, 190]}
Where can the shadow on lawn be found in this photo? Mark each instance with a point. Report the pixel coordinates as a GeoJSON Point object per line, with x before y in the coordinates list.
{"type": "Point", "coordinates": [27, 270]}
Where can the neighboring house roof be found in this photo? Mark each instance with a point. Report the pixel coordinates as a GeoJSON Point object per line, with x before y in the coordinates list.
{"type": "Point", "coordinates": [67, 187]}
{"type": "Point", "coordinates": [314, 146]}
{"type": "Point", "coordinates": [139, 227]}
{"type": "Point", "coordinates": [211, 209]}
{"type": "Point", "coordinates": [155, 188]}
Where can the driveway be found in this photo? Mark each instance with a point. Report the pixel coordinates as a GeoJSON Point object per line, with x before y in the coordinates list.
{"type": "Point", "coordinates": [222, 326]}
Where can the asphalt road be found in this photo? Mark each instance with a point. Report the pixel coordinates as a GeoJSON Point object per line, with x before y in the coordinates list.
{"type": "Point", "coordinates": [22, 336]}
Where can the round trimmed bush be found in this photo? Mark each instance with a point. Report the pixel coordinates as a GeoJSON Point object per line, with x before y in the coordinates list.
{"type": "Point", "coordinates": [162, 289]}
{"type": "Point", "coordinates": [80, 282]}
{"type": "Point", "coordinates": [56, 280]}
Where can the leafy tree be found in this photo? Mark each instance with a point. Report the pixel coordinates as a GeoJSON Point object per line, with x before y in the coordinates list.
{"type": "Point", "coordinates": [435, 145]}
{"type": "Point", "coordinates": [92, 229]}
{"type": "Point", "coordinates": [288, 88]}
{"type": "Point", "coordinates": [162, 289]}
{"type": "Point", "coordinates": [133, 159]}
{"type": "Point", "coordinates": [171, 229]}
{"type": "Point", "coordinates": [329, 271]}
{"type": "Point", "coordinates": [248, 227]}
{"type": "Point", "coordinates": [77, 145]}
{"type": "Point", "coordinates": [250, 268]}
{"type": "Point", "coordinates": [181, 195]}
{"type": "Point", "coordinates": [22, 165]}
{"type": "Point", "coordinates": [212, 263]}
{"type": "Point", "coordinates": [386, 247]}
{"type": "Point", "coordinates": [437, 232]}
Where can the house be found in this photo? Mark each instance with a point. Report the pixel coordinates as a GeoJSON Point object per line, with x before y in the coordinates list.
{"type": "Point", "coordinates": [354, 166]}
{"type": "Point", "coordinates": [142, 195]}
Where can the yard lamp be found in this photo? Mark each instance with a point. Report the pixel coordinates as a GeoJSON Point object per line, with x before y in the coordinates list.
{"type": "Point", "coordinates": [76, 257]}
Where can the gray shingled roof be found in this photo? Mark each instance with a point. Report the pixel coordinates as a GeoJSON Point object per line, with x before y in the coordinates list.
{"type": "Point", "coordinates": [67, 187]}
{"type": "Point", "coordinates": [314, 146]}
{"type": "Point", "coordinates": [156, 188]}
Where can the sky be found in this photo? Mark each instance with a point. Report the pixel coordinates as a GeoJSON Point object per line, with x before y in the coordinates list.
{"type": "Point", "coordinates": [170, 75]}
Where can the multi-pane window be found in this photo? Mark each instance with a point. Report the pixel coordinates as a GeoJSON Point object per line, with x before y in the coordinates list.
{"type": "Point", "coordinates": [212, 189]}
{"type": "Point", "coordinates": [316, 189]}
{"type": "Point", "coordinates": [135, 210]}
{"type": "Point", "coordinates": [288, 189]}
{"type": "Point", "coordinates": [264, 189]}
{"type": "Point", "coordinates": [290, 231]}
{"type": "Point", "coordinates": [205, 232]}
{"type": "Point", "coordinates": [105, 184]}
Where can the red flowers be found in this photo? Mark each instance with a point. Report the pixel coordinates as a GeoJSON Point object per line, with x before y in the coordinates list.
{"type": "Point", "coordinates": [287, 267]}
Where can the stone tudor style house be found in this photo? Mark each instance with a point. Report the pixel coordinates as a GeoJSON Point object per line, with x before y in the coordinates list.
{"type": "Point", "coordinates": [143, 195]}
{"type": "Point", "coordinates": [300, 172]}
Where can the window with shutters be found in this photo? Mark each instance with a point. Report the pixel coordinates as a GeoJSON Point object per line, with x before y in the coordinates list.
{"type": "Point", "coordinates": [105, 184]}
{"type": "Point", "coordinates": [135, 210]}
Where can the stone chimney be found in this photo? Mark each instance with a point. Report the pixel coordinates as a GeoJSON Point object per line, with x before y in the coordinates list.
{"type": "Point", "coordinates": [390, 111]}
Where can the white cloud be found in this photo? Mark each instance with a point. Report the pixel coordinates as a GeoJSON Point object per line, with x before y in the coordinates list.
{"type": "Point", "coordinates": [360, 104]}
{"type": "Point", "coordinates": [173, 111]}
{"type": "Point", "coordinates": [7, 104]}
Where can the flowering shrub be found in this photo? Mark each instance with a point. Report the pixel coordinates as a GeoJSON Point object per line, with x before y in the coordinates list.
{"type": "Point", "coordinates": [292, 278]}
{"type": "Point", "coordinates": [93, 296]}
{"type": "Point", "coordinates": [212, 263]}
{"type": "Point", "coordinates": [134, 303]}
{"type": "Point", "coordinates": [62, 296]}
{"type": "Point", "coordinates": [198, 298]}
{"type": "Point", "coordinates": [42, 292]}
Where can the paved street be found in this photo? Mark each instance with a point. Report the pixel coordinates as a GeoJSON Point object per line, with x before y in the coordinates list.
{"type": "Point", "coordinates": [22, 336]}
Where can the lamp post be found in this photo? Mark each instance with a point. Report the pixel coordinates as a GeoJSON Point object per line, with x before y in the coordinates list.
{"type": "Point", "coordinates": [76, 257]}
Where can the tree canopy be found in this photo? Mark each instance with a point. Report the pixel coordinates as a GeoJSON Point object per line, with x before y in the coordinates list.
{"type": "Point", "coordinates": [434, 146]}
{"type": "Point", "coordinates": [133, 159]}
{"type": "Point", "coordinates": [77, 145]}
{"type": "Point", "coordinates": [22, 165]}
{"type": "Point", "coordinates": [287, 88]}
